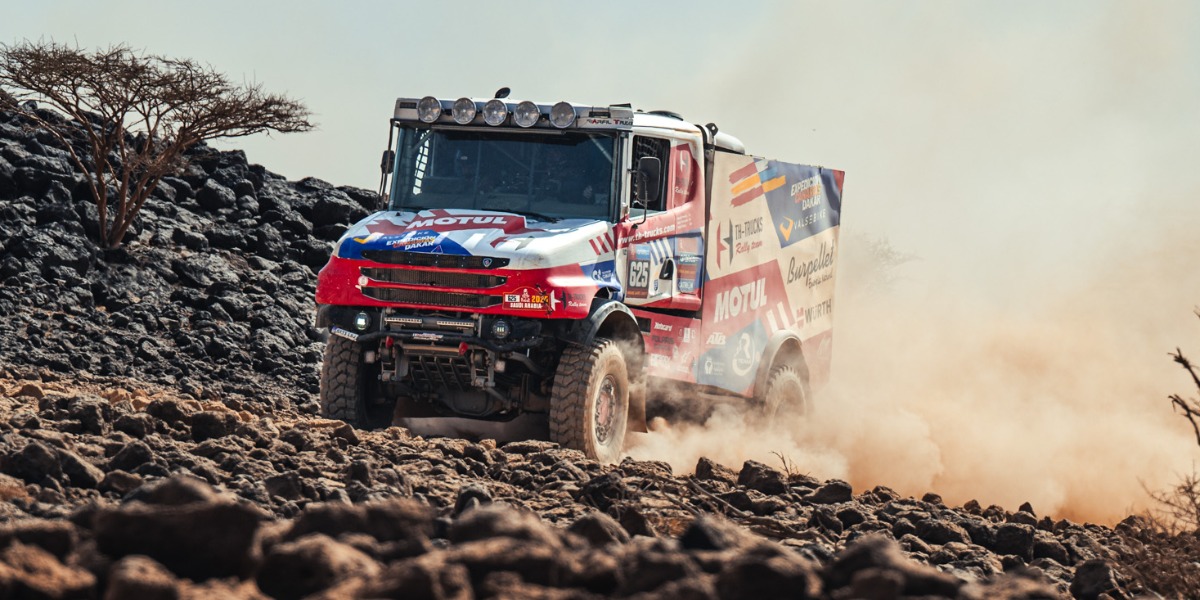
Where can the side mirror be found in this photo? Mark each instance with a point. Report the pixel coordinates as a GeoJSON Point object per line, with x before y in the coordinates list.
{"type": "Point", "coordinates": [387, 162]}
{"type": "Point", "coordinates": [649, 178]}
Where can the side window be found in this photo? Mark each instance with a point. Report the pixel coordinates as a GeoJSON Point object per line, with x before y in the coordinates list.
{"type": "Point", "coordinates": [661, 149]}
{"type": "Point", "coordinates": [683, 172]}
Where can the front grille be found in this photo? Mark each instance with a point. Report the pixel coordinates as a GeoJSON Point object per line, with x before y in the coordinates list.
{"type": "Point", "coordinates": [427, 259]}
{"type": "Point", "coordinates": [433, 278]}
{"type": "Point", "coordinates": [430, 297]}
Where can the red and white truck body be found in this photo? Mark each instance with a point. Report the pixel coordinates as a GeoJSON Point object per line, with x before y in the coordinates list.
{"type": "Point", "coordinates": [508, 246]}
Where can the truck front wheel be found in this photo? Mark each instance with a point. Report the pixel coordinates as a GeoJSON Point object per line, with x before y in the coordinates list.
{"type": "Point", "coordinates": [345, 384]}
{"type": "Point", "coordinates": [589, 406]}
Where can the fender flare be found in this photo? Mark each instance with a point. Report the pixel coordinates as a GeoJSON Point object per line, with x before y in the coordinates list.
{"type": "Point", "coordinates": [783, 347]}
{"type": "Point", "coordinates": [602, 311]}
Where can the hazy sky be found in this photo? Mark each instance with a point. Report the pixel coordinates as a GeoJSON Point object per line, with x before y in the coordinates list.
{"type": "Point", "coordinates": [988, 138]}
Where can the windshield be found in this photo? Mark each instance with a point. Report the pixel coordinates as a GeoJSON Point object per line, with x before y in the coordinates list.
{"type": "Point", "coordinates": [543, 176]}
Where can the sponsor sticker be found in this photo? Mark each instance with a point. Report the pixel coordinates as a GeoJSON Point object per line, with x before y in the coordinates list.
{"type": "Point", "coordinates": [338, 331]}
{"type": "Point", "coordinates": [814, 271]}
{"type": "Point", "coordinates": [745, 355]}
{"type": "Point", "coordinates": [527, 299]}
{"type": "Point", "coordinates": [688, 266]}
{"type": "Point", "coordinates": [639, 278]}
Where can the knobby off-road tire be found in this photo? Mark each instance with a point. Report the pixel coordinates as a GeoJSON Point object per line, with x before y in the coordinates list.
{"type": "Point", "coordinates": [344, 386]}
{"type": "Point", "coordinates": [589, 405]}
{"type": "Point", "coordinates": [785, 396]}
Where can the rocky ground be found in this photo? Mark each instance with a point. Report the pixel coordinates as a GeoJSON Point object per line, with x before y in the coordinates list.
{"type": "Point", "coordinates": [159, 441]}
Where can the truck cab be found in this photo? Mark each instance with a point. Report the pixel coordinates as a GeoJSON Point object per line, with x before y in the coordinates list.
{"type": "Point", "coordinates": [570, 260]}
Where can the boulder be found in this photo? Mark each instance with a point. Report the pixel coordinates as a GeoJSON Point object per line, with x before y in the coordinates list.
{"type": "Point", "coordinates": [757, 476]}
{"type": "Point", "coordinates": [296, 569]}
{"type": "Point", "coordinates": [224, 546]}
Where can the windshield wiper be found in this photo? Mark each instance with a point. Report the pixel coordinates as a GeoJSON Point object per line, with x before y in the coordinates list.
{"type": "Point", "coordinates": [536, 215]}
{"type": "Point", "coordinates": [413, 209]}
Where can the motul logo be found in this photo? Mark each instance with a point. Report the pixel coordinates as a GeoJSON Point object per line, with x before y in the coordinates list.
{"type": "Point", "coordinates": [749, 297]}
{"type": "Point", "coordinates": [426, 223]}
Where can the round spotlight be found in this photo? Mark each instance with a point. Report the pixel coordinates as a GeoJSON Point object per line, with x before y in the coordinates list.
{"type": "Point", "coordinates": [361, 321]}
{"type": "Point", "coordinates": [562, 115]}
{"type": "Point", "coordinates": [500, 329]}
{"type": "Point", "coordinates": [494, 112]}
{"type": "Point", "coordinates": [464, 111]}
{"type": "Point", "coordinates": [527, 114]}
{"type": "Point", "coordinates": [429, 109]}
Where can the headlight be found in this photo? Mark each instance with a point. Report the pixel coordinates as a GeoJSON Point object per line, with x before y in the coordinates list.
{"type": "Point", "coordinates": [527, 114]}
{"type": "Point", "coordinates": [494, 112]}
{"type": "Point", "coordinates": [464, 111]}
{"type": "Point", "coordinates": [500, 329]}
{"type": "Point", "coordinates": [361, 321]}
{"type": "Point", "coordinates": [562, 115]}
{"type": "Point", "coordinates": [429, 109]}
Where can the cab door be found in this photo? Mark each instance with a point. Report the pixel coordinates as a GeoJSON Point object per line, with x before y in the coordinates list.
{"type": "Point", "coordinates": [665, 252]}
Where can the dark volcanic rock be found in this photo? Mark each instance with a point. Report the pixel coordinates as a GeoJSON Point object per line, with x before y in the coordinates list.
{"type": "Point", "coordinates": [605, 490]}
{"type": "Point", "coordinates": [56, 537]}
{"type": "Point", "coordinates": [79, 471]}
{"type": "Point", "coordinates": [941, 532]}
{"type": "Point", "coordinates": [833, 492]}
{"type": "Point", "coordinates": [758, 476]}
{"type": "Point", "coordinates": [707, 469]}
{"type": "Point", "coordinates": [769, 573]}
{"type": "Point", "coordinates": [293, 570]}
{"type": "Point", "coordinates": [599, 529]}
{"type": "Point", "coordinates": [876, 552]}
{"type": "Point", "coordinates": [1093, 578]}
{"type": "Point", "coordinates": [1013, 538]}
{"type": "Point", "coordinates": [197, 540]}
{"type": "Point", "coordinates": [141, 577]}
{"type": "Point", "coordinates": [34, 463]}
{"type": "Point", "coordinates": [30, 572]}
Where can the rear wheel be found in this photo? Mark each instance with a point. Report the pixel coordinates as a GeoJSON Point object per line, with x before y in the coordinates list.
{"type": "Point", "coordinates": [589, 405]}
{"type": "Point", "coordinates": [786, 395]}
{"type": "Point", "coordinates": [346, 384]}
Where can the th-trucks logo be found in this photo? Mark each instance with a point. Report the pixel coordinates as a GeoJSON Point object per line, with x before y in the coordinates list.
{"type": "Point", "coordinates": [738, 239]}
{"type": "Point", "coordinates": [743, 298]}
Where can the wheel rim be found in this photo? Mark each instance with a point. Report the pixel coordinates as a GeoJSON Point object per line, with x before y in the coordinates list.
{"type": "Point", "coordinates": [605, 408]}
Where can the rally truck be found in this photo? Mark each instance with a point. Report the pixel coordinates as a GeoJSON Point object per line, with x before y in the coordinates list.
{"type": "Point", "coordinates": [575, 261]}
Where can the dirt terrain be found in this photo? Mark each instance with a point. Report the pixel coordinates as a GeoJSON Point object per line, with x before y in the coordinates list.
{"type": "Point", "coordinates": [159, 440]}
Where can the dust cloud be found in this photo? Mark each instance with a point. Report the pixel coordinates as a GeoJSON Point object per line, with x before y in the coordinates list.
{"type": "Point", "coordinates": [1039, 162]}
{"type": "Point", "coordinates": [1057, 398]}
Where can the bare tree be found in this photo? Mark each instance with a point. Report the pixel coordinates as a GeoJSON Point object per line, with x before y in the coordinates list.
{"type": "Point", "coordinates": [133, 116]}
{"type": "Point", "coordinates": [1189, 407]}
{"type": "Point", "coordinates": [1179, 506]}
